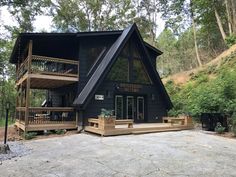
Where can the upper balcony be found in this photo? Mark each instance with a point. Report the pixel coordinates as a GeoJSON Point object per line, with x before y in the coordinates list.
{"type": "Point", "coordinates": [47, 72]}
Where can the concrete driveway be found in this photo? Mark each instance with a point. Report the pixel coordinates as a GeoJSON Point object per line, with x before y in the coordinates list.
{"type": "Point", "coordinates": [183, 153]}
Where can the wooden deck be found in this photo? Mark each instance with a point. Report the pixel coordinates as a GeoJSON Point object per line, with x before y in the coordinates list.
{"type": "Point", "coordinates": [119, 127]}
{"type": "Point", "coordinates": [43, 72]}
{"type": "Point", "coordinates": [46, 118]}
{"type": "Point", "coordinates": [44, 76]}
{"type": "Point", "coordinates": [139, 129]}
{"type": "Point", "coordinates": [49, 126]}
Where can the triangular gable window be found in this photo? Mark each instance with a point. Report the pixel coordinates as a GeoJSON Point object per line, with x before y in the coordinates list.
{"type": "Point", "coordinates": [129, 67]}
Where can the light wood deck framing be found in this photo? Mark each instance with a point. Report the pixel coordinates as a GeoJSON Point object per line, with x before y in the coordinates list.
{"type": "Point", "coordinates": [37, 72]}
{"type": "Point", "coordinates": [184, 123]}
{"type": "Point", "coordinates": [139, 129]}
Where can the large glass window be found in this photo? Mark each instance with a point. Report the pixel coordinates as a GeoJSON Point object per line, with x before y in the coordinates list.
{"type": "Point", "coordinates": [93, 54]}
{"type": "Point", "coordinates": [129, 67]}
{"type": "Point", "coordinates": [139, 74]}
{"type": "Point", "coordinates": [120, 70]}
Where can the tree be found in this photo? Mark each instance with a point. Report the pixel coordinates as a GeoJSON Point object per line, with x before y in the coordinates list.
{"type": "Point", "coordinates": [24, 13]}
{"type": "Point", "coordinates": [87, 15]}
{"type": "Point", "coordinates": [181, 13]}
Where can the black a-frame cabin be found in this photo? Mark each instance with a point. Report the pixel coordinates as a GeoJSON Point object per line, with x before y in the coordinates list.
{"type": "Point", "coordinates": [85, 72]}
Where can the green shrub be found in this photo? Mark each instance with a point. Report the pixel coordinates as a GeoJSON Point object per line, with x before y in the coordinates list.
{"type": "Point", "coordinates": [30, 135]}
{"type": "Point", "coordinates": [211, 69]}
{"type": "Point", "coordinates": [230, 40]}
{"type": "Point", "coordinates": [234, 123]}
{"type": "Point", "coordinates": [219, 128]}
{"type": "Point", "coordinates": [59, 131]}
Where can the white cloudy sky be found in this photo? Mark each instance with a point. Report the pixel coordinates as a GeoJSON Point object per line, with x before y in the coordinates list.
{"type": "Point", "coordinates": [44, 23]}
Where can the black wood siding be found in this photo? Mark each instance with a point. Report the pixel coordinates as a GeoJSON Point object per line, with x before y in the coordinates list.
{"type": "Point", "coordinates": [155, 109]}
{"type": "Point", "coordinates": [85, 43]}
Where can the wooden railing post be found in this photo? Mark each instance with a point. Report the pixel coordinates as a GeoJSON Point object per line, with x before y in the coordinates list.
{"type": "Point", "coordinates": [30, 56]}
{"type": "Point", "coordinates": [27, 97]}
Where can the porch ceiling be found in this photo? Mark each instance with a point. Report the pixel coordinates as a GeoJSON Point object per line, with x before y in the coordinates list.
{"type": "Point", "coordinates": [47, 81]}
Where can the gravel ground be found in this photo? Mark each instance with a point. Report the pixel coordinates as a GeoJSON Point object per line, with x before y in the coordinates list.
{"type": "Point", "coordinates": [17, 149]}
{"type": "Point", "coordinates": [183, 153]}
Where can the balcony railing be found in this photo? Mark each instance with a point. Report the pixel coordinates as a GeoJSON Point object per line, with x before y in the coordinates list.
{"type": "Point", "coordinates": [48, 66]}
{"type": "Point", "coordinates": [47, 115]}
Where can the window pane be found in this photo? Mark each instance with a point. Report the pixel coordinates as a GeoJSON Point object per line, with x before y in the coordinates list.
{"type": "Point", "coordinates": [130, 107]}
{"type": "Point", "coordinates": [92, 55]}
{"type": "Point", "coordinates": [140, 102]}
{"type": "Point", "coordinates": [119, 107]}
{"type": "Point", "coordinates": [120, 70]}
{"type": "Point", "coordinates": [139, 74]}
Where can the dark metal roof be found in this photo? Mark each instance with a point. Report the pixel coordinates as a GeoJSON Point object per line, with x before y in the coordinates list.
{"type": "Point", "coordinates": [99, 73]}
{"type": "Point", "coordinates": [104, 67]}
{"type": "Point", "coordinates": [24, 37]}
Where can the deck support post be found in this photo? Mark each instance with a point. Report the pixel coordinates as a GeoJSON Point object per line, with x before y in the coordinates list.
{"type": "Point", "coordinates": [27, 97]}
{"type": "Point", "coordinates": [20, 103]}
{"type": "Point", "coordinates": [27, 102]}
{"type": "Point", "coordinates": [77, 118]}
{"type": "Point", "coordinates": [80, 123]}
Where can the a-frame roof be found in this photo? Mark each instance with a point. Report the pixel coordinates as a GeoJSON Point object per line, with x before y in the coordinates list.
{"type": "Point", "coordinates": [104, 67]}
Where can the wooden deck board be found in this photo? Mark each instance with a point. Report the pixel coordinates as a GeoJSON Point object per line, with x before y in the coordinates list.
{"type": "Point", "coordinates": [138, 129]}
{"type": "Point", "coordinates": [52, 126]}
{"type": "Point", "coordinates": [42, 81]}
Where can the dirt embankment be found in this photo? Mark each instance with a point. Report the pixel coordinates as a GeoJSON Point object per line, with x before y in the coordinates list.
{"type": "Point", "coordinates": [183, 77]}
{"type": "Point", "coordinates": [12, 134]}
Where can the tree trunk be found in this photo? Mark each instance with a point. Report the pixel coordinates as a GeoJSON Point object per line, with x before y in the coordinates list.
{"type": "Point", "coordinates": [233, 5]}
{"type": "Point", "coordinates": [219, 23]}
{"type": "Point", "coordinates": [195, 43]}
{"type": "Point", "coordinates": [195, 35]}
{"type": "Point", "coordinates": [228, 17]}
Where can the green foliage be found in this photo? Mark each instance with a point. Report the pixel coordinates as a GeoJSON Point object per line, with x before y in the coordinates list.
{"type": "Point", "coordinates": [106, 113]}
{"type": "Point", "coordinates": [38, 96]}
{"type": "Point", "coordinates": [87, 15]}
{"type": "Point", "coordinates": [60, 131]}
{"type": "Point", "coordinates": [30, 135]}
{"type": "Point", "coordinates": [205, 94]}
{"type": "Point", "coordinates": [2, 122]}
{"type": "Point", "coordinates": [230, 40]}
{"type": "Point", "coordinates": [219, 128]}
{"type": "Point", "coordinates": [234, 123]}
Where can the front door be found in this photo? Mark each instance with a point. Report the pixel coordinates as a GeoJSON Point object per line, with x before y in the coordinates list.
{"type": "Point", "coordinates": [130, 107]}
{"type": "Point", "coordinates": [140, 109]}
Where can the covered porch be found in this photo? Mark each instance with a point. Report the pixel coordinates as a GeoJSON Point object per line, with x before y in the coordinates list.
{"type": "Point", "coordinates": [46, 118]}
{"type": "Point", "coordinates": [44, 74]}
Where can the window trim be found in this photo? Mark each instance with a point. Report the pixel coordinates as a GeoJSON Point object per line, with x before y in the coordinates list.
{"type": "Point", "coordinates": [140, 97]}
{"type": "Point", "coordinates": [122, 112]}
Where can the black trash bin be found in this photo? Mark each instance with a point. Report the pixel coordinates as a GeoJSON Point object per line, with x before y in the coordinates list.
{"type": "Point", "coordinates": [210, 120]}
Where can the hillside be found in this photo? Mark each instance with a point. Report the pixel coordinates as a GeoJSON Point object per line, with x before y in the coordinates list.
{"type": "Point", "coordinates": [183, 77]}
{"type": "Point", "coordinates": [211, 88]}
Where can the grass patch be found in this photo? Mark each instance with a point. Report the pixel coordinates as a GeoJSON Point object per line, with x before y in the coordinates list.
{"type": "Point", "coordinates": [2, 122]}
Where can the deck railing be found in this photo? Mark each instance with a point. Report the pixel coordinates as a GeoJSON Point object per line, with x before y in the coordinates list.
{"type": "Point", "coordinates": [47, 115]}
{"type": "Point", "coordinates": [23, 68]}
{"type": "Point", "coordinates": [49, 66]}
